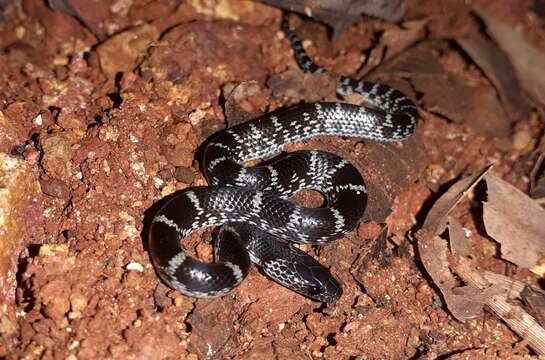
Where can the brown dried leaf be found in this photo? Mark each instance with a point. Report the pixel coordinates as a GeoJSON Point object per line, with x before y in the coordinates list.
{"type": "Point", "coordinates": [512, 287]}
{"type": "Point", "coordinates": [393, 42]}
{"type": "Point", "coordinates": [498, 291]}
{"type": "Point", "coordinates": [537, 175]}
{"type": "Point", "coordinates": [212, 324]}
{"type": "Point", "coordinates": [459, 244]}
{"type": "Point", "coordinates": [436, 221]}
{"type": "Point", "coordinates": [476, 106]}
{"type": "Point", "coordinates": [527, 60]}
{"type": "Point", "coordinates": [434, 252]}
{"type": "Point", "coordinates": [535, 302]}
{"type": "Point", "coordinates": [340, 13]}
{"type": "Point", "coordinates": [465, 302]}
{"type": "Point", "coordinates": [497, 67]}
{"type": "Point", "coordinates": [448, 93]}
{"type": "Point", "coordinates": [434, 255]}
{"type": "Point", "coordinates": [515, 221]}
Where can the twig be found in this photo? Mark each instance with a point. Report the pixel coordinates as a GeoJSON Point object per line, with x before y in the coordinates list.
{"type": "Point", "coordinates": [514, 316]}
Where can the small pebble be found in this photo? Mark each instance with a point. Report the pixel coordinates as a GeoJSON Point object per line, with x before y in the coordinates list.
{"type": "Point", "coordinates": [135, 266]}
{"type": "Point", "coordinates": [78, 302]}
{"type": "Point", "coordinates": [184, 174]}
{"type": "Point", "coordinates": [523, 141]}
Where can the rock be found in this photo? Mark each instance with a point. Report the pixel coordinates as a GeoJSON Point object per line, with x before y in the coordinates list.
{"type": "Point", "coordinates": [20, 212]}
{"type": "Point", "coordinates": [184, 174]}
{"type": "Point", "coordinates": [123, 51]}
{"type": "Point", "coordinates": [56, 159]}
{"type": "Point", "coordinates": [54, 187]}
{"type": "Point", "coordinates": [11, 133]}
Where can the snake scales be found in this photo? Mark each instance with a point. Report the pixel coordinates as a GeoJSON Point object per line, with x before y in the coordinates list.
{"type": "Point", "coordinates": [251, 206]}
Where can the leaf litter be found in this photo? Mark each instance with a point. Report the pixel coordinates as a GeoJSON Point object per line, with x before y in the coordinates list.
{"type": "Point", "coordinates": [512, 219]}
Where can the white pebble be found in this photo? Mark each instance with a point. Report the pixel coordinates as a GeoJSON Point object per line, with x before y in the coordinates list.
{"type": "Point", "coordinates": [135, 266]}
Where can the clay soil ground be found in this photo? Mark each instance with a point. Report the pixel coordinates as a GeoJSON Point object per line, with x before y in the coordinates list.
{"type": "Point", "coordinates": [108, 102]}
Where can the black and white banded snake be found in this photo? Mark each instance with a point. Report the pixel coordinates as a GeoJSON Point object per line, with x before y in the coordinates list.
{"type": "Point", "coordinates": [251, 206]}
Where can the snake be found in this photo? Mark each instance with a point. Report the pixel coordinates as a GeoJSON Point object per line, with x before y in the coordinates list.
{"type": "Point", "coordinates": [251, 205]}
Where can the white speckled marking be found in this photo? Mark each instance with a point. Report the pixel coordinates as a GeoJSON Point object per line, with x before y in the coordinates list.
{"type": "Point", "coordinates": [248, 200]}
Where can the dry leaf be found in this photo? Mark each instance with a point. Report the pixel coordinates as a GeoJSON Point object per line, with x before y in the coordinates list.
{"type": "Point", "coordinates": [436, 221]}
{"type": "Point", "coordinates": [340, 13]}
{"type": "Point", "coordinates": [393, 42]}
{"type": "Point", "coordinates": [497, 299]}
{"type": "Point", "coordinates": [537, 175]}
{"type": "Point", "coordinates": [527, 60]}
{"type": "Point", "coordinates": [460, 244]}
{"type": "Point", "coordinates": [447, 93]}
{"type": "Point", "coordinates": [515, 221]}
{"type": "Point", "coordinates": [463, 302]}
{"type": "Point", "coordinates": [487, 288]}
{"type": "Point", "coordinates": [497, 67]}
{"type": "Point", "coordinates": [535, 302]}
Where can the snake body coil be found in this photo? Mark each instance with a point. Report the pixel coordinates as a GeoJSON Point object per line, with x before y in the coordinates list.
{"type": "Point", "coordinates": [251, 203]}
